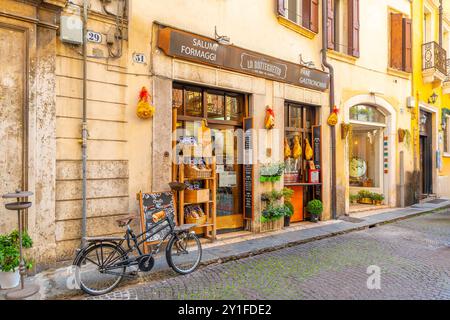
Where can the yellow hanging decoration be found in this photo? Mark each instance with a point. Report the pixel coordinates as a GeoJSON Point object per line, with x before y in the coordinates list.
{"type": "Point", "coordinates": [269, 121]}
{"type": "Point", "coordinates": [144, 109]}
{"type": "Point", "coordinates": [297, 148]}
{"type": "Point", "coordinates": [287, 149]}
{"type": "Point", "coordinates": [333, 117]}
{"type": "Point", "coordinates": [309, 153]}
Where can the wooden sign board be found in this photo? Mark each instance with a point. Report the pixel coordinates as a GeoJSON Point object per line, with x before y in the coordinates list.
{"type": "Point", "coordinates": [317, 147]}
{"type": "Point", "coordinates": [248, 168]}
{"type": "Point", "coordinates": [150, 203]}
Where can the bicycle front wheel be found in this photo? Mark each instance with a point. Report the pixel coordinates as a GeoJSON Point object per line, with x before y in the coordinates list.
{"type": "Point", "coordinates": [184, 253]}
{"type": "Point", "coordinates": [101, 268]}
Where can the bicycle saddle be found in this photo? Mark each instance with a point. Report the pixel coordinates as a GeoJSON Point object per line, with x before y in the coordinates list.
{"type": "Point", "coordinates": [122, 222]}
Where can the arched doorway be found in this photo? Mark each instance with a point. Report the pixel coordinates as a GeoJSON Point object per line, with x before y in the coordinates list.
{"type": "Point", "coordinates": [370, 147]}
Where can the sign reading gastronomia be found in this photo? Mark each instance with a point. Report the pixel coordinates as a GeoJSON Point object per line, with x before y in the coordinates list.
{"type": "Point", "coordinates": [184, 45]}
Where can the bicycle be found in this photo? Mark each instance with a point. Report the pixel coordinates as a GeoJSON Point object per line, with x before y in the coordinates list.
{"type": "Point", "coordinates": [102, 263]}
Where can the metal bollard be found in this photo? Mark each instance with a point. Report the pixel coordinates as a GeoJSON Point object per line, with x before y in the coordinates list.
{"type": "Point", "coordinates": [20, 205]}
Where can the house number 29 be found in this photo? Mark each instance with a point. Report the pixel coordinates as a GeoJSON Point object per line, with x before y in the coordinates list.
{"type": "Point", "coordinates": [94, 37]}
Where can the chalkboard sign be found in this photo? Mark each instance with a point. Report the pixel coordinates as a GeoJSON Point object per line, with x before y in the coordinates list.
{"type": "Point", "coordinates": [317, 146]}
{"type": "Point", "coordinates": [248, 168]}
{"type": "Point", "coordinates": [151, 203]}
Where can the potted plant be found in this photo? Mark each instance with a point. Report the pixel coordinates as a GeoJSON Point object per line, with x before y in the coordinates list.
{"type": "Point", "coordinates": [365, 197]}
{"type": "Point", "coordinates": [10, 258]}
{"type": "Point", "coordinates": [315, 208]}
{"type": "Point", "coordinates": [271, 172]}
{"type": "Point", "coordinates": [274, 213]}
{"type": "Point", "coordinates": [354, 198]}
{"type": "Point", "coordinates": [378, 198]}
{"type": "Point", "coordinates": [287, 194]}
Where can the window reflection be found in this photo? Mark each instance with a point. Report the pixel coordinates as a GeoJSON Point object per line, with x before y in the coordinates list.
{"type": "Point", "coordinates": [366, 113]}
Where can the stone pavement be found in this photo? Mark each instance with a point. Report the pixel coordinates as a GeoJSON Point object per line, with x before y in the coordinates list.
{"type": "Point", "coordinates": [412, 257]}
{"type": "Point", "coordinates": [53, 282]}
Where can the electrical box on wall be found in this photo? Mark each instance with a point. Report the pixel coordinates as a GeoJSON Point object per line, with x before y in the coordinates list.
{"type": "Point", "coordinates": [71, 29]}
{"type": "Point", "coordinates": [410, 102]}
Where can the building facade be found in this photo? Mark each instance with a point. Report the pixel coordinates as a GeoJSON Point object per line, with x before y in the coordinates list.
{"type": "Point", "coordinates": [431, 93]}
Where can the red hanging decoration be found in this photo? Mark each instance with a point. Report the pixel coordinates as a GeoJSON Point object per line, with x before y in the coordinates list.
{"type": "Point", "coordinates": [144, 109]}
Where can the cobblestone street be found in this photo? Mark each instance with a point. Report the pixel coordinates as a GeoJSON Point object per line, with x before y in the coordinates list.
{"type": "Point", "coordinates": [413, 255]}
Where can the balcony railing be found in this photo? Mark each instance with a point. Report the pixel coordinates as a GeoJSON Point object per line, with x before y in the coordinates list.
{"type": "Point", "coordinates": [434, 57]}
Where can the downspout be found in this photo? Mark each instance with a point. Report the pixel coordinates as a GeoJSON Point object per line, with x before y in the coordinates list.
{"type": "Point", "coordinates": [441, 18]}
{"type": "Point", "coordinates": [330, 68]}
{"type": "Point", "coordinates": [84, 132]}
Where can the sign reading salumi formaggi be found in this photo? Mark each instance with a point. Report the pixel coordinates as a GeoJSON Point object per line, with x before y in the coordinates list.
{"type": "Point", "coordinates": [184, 45]}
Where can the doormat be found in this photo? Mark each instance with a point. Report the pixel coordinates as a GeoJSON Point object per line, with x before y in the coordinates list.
{"type": "Point", "coordinates": [437, 201]}
{"type": "Point", "coordinates": [351, 219]}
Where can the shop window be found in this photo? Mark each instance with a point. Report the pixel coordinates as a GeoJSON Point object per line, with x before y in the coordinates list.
{"type": "Point", "coordinates": [215, 104]}
{"type": "Point", "coordinates": [401, 43]}
{"type": "Point", "coordinates": [194, 105]}
{"type": "Point", "coordinates": [365, 157]}
{"type": "Point", "coordinates": [365, 113]}
{"type": "Point", "coordinates": [298, 128]}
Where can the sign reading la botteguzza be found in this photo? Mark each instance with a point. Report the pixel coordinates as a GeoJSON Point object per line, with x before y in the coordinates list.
{"type": "Point", "coordinates": [184, 45]}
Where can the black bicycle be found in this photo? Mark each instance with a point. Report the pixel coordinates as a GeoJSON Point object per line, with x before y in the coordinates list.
{"type": "Point", "coordinates": [103, 262]}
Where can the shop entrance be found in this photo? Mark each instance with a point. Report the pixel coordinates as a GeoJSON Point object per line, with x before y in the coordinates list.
{"type": "Point", "coordinates": [426, 153]}
{"type": "Point", "coordinates": [223, 112]}
{"type": "Point", "coordinates": [229, 177]}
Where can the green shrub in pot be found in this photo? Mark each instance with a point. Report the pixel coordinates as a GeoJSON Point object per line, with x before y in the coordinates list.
{"type": "Point", "coordinates": [315, 208]}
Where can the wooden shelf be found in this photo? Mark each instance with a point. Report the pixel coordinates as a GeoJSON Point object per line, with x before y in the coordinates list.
{"type": "Point", "coordinates": [305, 184]}
{"type": "Point", "coordinates": [210, 231]}
{"type": "Point", "coordinates": [191, 203]}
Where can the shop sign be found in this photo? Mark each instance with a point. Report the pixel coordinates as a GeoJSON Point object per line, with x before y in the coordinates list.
{"type": "Point", "coordinates": [184, 45]}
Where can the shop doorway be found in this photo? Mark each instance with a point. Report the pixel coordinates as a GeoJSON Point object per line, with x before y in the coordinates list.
{"type": "Point", "coordinates": [426, 153]}
{"type": "Point", "coordinates": [229, 177]}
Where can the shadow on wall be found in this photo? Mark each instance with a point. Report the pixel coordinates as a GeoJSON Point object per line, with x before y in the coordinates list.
{"type": "Point", "coordinates": [412, 188]}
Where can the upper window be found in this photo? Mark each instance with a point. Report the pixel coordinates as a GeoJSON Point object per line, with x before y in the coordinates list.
{"type": "Point", "coordinates": [366, 113]}
{"type": "Point", "coordinates": [302, 12]}
{"type": "Point", "coordinates": [343, 26]}
{"type": "Point", "coordinates": [401, 43]}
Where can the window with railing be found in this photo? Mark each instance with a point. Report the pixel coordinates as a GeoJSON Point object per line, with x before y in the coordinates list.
{"type": "Point", "coordinates": [434, 56]}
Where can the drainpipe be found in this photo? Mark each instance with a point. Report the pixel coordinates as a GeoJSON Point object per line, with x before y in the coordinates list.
{"type": "Point", "coordinates": [84, 132]}
{"type": "Point", "coordinates": [330, 68]}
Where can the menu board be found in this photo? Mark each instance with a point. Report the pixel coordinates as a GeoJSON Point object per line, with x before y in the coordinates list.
{"type": "Point", "coordinates": [317, 147]}
{"type": "Point", "coordinates": [248, 168]}
{"type": "Point", "coordinates": [151, 203]}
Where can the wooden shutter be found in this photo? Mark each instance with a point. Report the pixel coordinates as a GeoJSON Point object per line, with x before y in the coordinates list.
{"type": "Point", "coordinates": [407, 45]}
{"type": "Point", "coordinates": [353, 23]}
{"type": "Point", "coordinates": [397, 41]}
{"type": "Point", "coordinates": [306, 13]}
{"type": "Point", "coordinates": [281, 8]}
{"type": "Point", "coordinates": [330, 24]}
{"type": "Point", "coordinates": [314, 18]}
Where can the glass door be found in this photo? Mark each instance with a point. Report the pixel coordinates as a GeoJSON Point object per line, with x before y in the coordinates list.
{"type": "Point", "coordinates": [229, 177]}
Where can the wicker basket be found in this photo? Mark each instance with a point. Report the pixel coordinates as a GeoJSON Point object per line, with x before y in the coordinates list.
{"type": "Point", "coordinates": [193, 172]}
{"type": "Point", "coordinates": [199, 221]}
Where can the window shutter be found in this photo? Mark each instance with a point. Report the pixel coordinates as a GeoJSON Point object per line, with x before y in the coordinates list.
{"type": "Point", "coordinates": [281, 8]}
{"type": "Point", "coordinates": [314, 18]}
{"type": "Point", "coordinates": [396, 41]}
{"type": "Point", "coordinates": [353, 22]}
{"type": "Point", "coordinates": [407, 45]}
{"type": "Point", "coordinates": [330, 24]}
{"type": "Point", "coordinates": [306, 13]}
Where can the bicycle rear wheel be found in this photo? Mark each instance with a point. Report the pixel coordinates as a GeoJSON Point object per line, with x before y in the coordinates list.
{"type": "Point", "coordinates": [184, 253]}
{"type": "Point", "coordinates": [99, 270]}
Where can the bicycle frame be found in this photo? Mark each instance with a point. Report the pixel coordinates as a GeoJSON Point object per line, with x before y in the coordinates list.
{"type": "Point", "coordinates": [123, 259]}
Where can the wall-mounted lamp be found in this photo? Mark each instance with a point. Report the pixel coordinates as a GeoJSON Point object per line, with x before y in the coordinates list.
{"type": "Point", "coordinates": [221, 39]}
{"type": "Point", "coordinates": [433, 98]}
{"type": "Point", "coordinates": [423, 119]}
